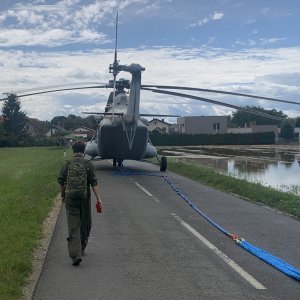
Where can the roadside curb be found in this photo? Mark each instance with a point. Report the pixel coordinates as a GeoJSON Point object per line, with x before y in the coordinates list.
{"type": "Point", "coordinates": [41, 250]}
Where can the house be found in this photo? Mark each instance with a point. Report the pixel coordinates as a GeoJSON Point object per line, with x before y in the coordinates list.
{"type": "Point", "coordinates": [81, 133]}
{"type": "Point", "coordinates": [158, 125]}
{"type": "Point", "coordinates": [202, 124]}
{"type": "Point", "coordinates": [51, 131]}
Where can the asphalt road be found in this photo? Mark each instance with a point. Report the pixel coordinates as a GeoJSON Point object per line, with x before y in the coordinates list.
{"type": "Point", "coordinates": [149, 244]}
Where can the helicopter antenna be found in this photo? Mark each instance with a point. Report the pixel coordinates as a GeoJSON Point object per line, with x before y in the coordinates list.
{"type": "Point", "coordinates": [113, 68]}
{"type": "Point", "coordinates": [116, 41]}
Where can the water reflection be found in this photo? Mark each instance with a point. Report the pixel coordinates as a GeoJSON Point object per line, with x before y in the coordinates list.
{"type": "Point", "coordinates": [276, 166]}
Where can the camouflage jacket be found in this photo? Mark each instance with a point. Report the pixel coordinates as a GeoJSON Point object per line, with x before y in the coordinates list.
{"type": "Point", "coordinates": [91, 176]}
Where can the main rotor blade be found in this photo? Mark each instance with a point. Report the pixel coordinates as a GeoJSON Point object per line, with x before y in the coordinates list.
{"type": "Point", "coordinates": [157, 115]}
{"type": "Point", "coordinates": [121, 114]}
{"type": "Point", "coordinates": [250, 111]}
{"type": "Point", "coordinates": [219, 92]}
{"type": "Point", "coordinates": [50, 87]}
{"type": "Point", "coordinates": [57, 90]}
{"type": "Point", "coordinates": [101, 113]}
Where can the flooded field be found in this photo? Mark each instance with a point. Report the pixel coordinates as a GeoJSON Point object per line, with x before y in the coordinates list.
{"type": "Point", "coordinates": [271, 165]}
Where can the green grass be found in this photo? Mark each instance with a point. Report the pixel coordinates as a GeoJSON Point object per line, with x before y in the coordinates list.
{"type": "Point", "coordinates": [28, 189]}
{"type": "Point", "coordinates": [255, 192]}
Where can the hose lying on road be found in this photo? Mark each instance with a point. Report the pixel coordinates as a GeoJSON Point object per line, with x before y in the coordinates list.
{"type": "Point", "coordinates": [258, 252]}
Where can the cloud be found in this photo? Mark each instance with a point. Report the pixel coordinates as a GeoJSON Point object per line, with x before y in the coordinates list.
{"type": "Point", "coordinates": [259, 42]}
{"type": "Point", "coordinates": [65, 22]}
{"type": "Point", "coordinates": [217, 16]}
{"type": "Point", "coordinates": [214, 17]}
{"type": "Point", "coordinates": [286, 79]}
{"type": "Point", "coordinates": [265, 10]}
{"type": "Point", "coordinates": [50, 38]}
{"type": "Point", "coordinates": [266, 72]}
{"type": "Point", "coordinates": [270, 41]}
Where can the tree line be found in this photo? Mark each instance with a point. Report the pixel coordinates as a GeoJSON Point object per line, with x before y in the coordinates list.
{"type": "Point", "coordinates": [287, 125]}
{"type": "Point", "coordinates": [17, 129]}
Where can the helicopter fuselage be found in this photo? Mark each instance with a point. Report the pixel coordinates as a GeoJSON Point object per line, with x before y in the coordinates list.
{"type": "Point", "coordinates": [115, 140]}
{"type": "Point", "coordinates": [119, 137]}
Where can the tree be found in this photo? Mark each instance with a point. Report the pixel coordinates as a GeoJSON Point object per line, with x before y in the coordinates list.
{"type": "Point", "coordinates": [72, 122]}
{"type": "Point", "coordinates": [90, 122]}
{"type": "Point", "coordinates": [2, 135]}
{"type": "Point", "coordinates": [14, 120]}
{"type": "Point", "coordinates": [287, 129]}
{"type": "Point", "coordinates": [297, 122]}
{"type": "Point", "coordinates": [58, 121]}
{"type": "Point", "coordinates": [240, 118]}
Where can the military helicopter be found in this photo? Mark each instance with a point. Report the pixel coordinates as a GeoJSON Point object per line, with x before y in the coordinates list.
{"type": "Point", "coordinates": [121, 134]}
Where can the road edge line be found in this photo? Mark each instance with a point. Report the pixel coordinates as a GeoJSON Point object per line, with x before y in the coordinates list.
{"type": "Point", "coordinates": [249, 278]}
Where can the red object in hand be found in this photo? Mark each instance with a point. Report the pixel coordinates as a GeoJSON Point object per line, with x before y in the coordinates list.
{"type": "Point", "coordinates": [98, 207]}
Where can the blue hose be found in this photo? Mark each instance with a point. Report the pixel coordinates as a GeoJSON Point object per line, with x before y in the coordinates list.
{"type": "Point", "coordinates": [258, 252]}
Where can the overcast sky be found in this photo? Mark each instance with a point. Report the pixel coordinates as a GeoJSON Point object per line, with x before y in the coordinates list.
{"type": "Point", "coordinates": [249, 46]}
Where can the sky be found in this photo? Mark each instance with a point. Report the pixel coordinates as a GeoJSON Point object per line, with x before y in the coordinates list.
{"type": "Point", "coordinates": [246, 46]}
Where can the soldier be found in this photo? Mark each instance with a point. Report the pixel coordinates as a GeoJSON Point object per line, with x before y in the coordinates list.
{"type": "Point", "coordinates": [75, 178]}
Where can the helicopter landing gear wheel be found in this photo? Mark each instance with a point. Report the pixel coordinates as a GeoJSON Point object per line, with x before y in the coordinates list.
{"type": "Point", "coordinates": [163, 164]}
{"type": "Point", "coordinates": [114, 162]}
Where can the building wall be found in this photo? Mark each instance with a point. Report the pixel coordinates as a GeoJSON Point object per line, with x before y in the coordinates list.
{"type": "Point", "coordinates": [267, 128]}
{"type": "Point", "coordinates": [202, 124]}
{"type": "Point", "coordinates": [239, 130]}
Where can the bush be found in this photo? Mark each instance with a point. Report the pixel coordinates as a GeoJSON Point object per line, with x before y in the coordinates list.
{"type": "Point", "coordinates": [287, 129]}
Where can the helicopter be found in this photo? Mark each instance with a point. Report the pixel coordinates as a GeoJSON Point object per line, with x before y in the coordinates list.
{"type": "Point", "coordinates": [121, 133]}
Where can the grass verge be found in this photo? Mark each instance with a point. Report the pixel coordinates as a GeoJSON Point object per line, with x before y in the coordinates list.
{"type": "Point", "coordinates": [255, 192]}
{"type": "Point", "coordinates": [28, 188]}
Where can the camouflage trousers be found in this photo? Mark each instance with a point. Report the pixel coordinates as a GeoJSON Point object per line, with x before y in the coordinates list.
{"type": "Point", "coordinates": [79, 225]}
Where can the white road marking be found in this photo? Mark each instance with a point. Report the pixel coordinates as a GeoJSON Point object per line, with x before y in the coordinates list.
{"type": "Point", "coordinates": [155, 199]}
{"type": "Point", "coordinates": [144, 190]}
{"type": "Point", "coordinates": [223, 256]}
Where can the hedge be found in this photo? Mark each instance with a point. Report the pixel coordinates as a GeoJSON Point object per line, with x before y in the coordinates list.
{"type": "Point", "coordinates": [259, 138]}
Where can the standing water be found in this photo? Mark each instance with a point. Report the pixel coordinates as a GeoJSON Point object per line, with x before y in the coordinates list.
{"type": "Point", "coordinates": [277, 166]}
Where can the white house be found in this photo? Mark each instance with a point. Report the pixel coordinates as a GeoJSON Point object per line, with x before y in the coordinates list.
{"type": "Point", "coordinates": [158, 125]}
{"type": "Point", "coordinates": [81, 133]}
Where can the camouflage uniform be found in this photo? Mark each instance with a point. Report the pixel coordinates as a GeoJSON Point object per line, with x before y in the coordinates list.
{"type": "Point", "coordinates": [78, 210]}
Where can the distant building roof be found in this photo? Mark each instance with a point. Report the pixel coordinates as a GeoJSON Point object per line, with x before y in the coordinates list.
{"type": "Point", "coordinates": [157, 121]}
{"type": "Point", "coordinates": [83, 129]}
